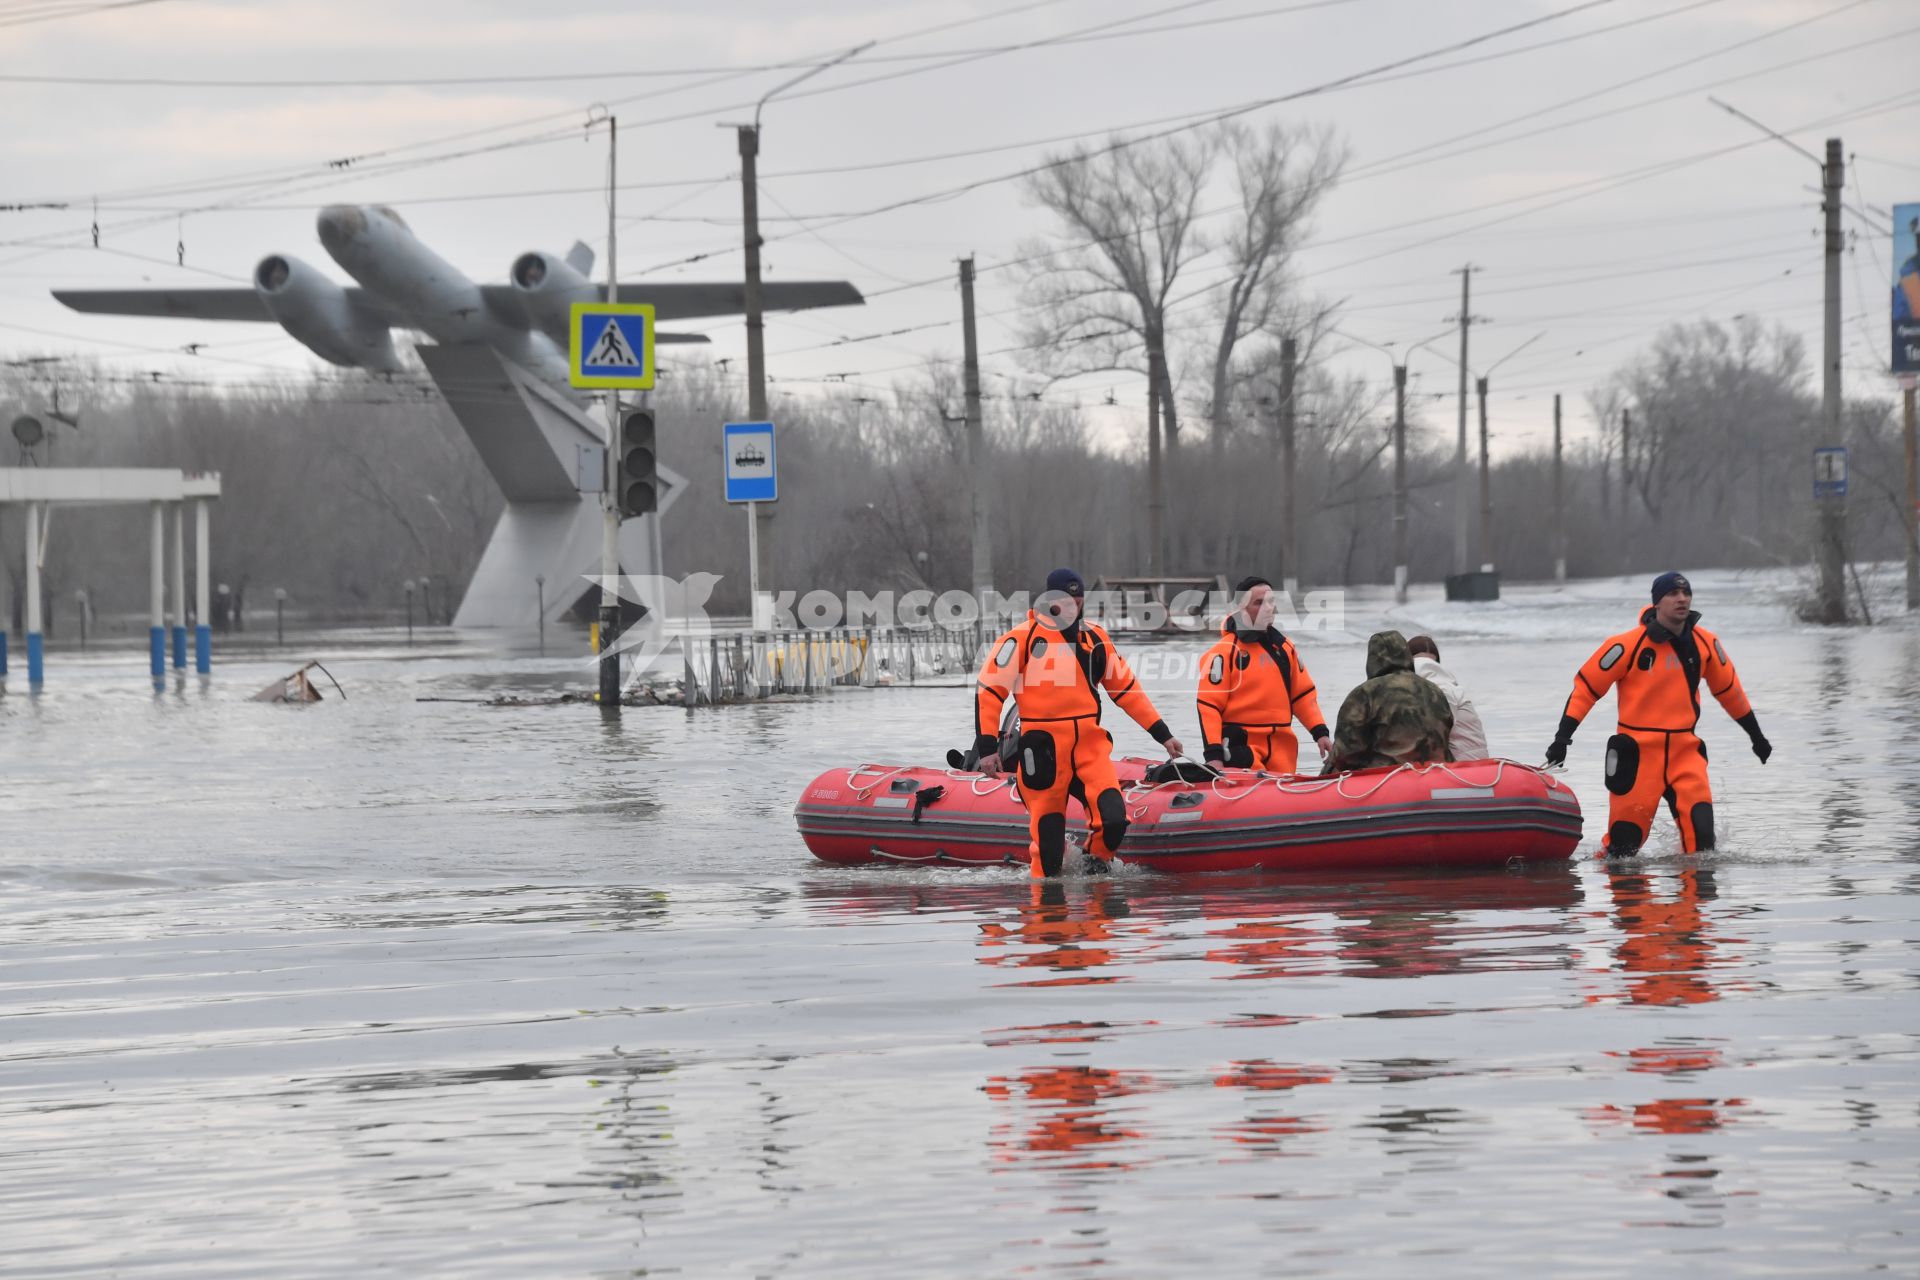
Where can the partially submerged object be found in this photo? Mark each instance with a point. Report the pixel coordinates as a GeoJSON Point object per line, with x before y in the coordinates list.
{"type": "Point", "coordinates": [1467, 813]}
{"type": "Point", "coordinates": [298, 688]}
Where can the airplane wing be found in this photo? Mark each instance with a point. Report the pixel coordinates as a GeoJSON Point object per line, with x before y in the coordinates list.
{"type": "Point", "coordinates": [192, 304]}
{"type": "Point", "coordinates": [196, 304]}
{"type": "Point", "coordinates": [671, 301]}
{"type": "Point", "coordinates": [684, 301]}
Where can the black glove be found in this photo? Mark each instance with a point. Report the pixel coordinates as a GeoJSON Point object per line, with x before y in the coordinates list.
{"type": "Point", "coordinates": [1562, 739]}
{"type": "Point", "coordinates": [1761, 747]}
{"type": "Point", "coordinates": [1214, 754]}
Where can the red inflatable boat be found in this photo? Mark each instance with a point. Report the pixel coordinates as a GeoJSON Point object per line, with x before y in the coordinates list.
{"type": "Point", "coordinates": [1469, 813]}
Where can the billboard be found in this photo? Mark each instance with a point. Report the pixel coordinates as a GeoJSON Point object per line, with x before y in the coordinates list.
{"type": "Point", "coordinates": [1906, 288]}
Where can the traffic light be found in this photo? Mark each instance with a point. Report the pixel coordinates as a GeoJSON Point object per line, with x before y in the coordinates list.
{"type": "Point", "coordinates": [637, 477]}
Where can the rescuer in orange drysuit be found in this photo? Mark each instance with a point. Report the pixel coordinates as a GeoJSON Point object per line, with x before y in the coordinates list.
{"type": "Point", "coordinates": [1052, 666]}
{"type": "Point", "coordinates": [1659, 667]}
{"type": "Point", "coordinates": [1253, 687]}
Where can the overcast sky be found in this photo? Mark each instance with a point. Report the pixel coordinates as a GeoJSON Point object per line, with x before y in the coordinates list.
{"type": "Point", "coordinates": [1726, 221]}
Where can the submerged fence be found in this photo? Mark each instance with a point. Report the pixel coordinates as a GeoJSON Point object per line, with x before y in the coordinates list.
{"type": "Point", "coordinates": [742, 666]}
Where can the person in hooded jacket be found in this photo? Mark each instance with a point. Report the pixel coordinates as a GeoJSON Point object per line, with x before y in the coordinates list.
{"type": "Point", "coordinates": [1253, 686]}
{"type": "Point", "coordinates": [1053, 666]}
{"type": "Point", "coordinates": [1395, 717]}
{"type": "Point", "coordinates": [1658, 667]}
{"type": "Point", "coordinates": [1468, 741]}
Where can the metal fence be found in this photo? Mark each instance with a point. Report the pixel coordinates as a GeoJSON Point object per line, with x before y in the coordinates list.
{"type": "Point", "coordinates": [741, 666]}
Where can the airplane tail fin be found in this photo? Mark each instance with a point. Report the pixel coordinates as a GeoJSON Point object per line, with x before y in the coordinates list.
{"type": "Point", "coordinates": [580, 258]}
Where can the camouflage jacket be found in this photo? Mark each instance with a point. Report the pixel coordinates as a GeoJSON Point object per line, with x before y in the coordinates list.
{"type": "Point", "coordinates": [1395, 717]}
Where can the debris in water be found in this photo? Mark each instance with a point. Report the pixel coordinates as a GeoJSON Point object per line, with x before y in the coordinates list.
{"type": "Point", "coordinates": [297, 688]}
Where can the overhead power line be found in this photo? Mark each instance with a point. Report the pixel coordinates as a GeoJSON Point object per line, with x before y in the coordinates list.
{"type": "Point", "coordinates": [33, 14]}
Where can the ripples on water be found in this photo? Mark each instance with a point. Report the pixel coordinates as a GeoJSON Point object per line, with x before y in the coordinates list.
{"type": "Point", "coordinates": [436, 989]}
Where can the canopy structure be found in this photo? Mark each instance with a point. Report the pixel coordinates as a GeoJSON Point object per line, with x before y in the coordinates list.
{"type": "Point", "coordinates": [166, 491]}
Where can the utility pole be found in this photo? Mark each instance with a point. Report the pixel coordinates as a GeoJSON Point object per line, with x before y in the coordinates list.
{"type": "Point", "coordinates": [1486, 483]}
{"type": "Point", "coordinates": [1559, 500]}
{"type": "Point", "coordinates": [610, 498]}
{"type": "Point", "coordinates": [1486, 471]}
{"type": "Point", "coordinates": [1913, 497]}
{"type": "Point", "coordinates": [1156, 481]}
{"type": "Point", "coordinates": [1400, 483]}
{"type": "Point", "coordinates": [976, 440]}
{"type": "Point", "coordinates": [1626, 462]}
{"type": "Point", "coordinates": [1833, 507]}
{"type": "Point", "coordinates": [1466, 319]}
{"type": "Point", "coordinates": [1289, 520]}
{"type": "Point", "coordinates": [749, 139]}
{"type": "Point", "coordinates": [1606, 481]}
{"type": "Point", "coordinates": [756, 334]}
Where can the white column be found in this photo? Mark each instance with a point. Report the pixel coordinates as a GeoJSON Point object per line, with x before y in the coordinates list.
{"type": "Point", "coordinates": [179, 599]}
{"type": "Point", "coordinates": [157, 583]}
{"type": "Point", "coordinates": [35, 511]}
{"type": "Point", "coordinates": [202, 630]}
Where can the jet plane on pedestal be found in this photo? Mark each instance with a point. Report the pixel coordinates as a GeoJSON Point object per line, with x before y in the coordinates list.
{"type": "Point", "coordinates": [498, 355]}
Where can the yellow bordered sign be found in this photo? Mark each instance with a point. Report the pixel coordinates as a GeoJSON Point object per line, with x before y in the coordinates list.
{"type": "Point", "coordinates": [610, 346]}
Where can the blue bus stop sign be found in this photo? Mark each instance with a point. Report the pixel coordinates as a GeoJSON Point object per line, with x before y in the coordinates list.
{"type": "Point", "coordinates": [747, 448]}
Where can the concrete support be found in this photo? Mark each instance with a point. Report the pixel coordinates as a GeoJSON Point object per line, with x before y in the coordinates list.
{"type": "Point", "coordinates": [157, 583]}
{"type": "Point", "coordinates": [179, 600]}
{"type": "Point", "coordinates": [35, 653]}
{"type": "Point", "coordinates": [202, 630]}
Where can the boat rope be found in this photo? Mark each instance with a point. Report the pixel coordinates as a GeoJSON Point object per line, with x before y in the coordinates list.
{"type": "Point", "coordinates": [861, 790]}
{"type": "Point", "coordinates": [938, 855]}
{"type": "Point", "coordinates": [1230, 790]}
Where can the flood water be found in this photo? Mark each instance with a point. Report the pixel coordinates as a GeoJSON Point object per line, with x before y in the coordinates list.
{"type": "Point", "coordinates": [431, 988]}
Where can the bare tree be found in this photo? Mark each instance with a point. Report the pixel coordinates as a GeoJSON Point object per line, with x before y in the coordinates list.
{"type": "Point", "coordinates": [1101, 302]}
{"type": "Point", "coordinates": [1280, 176]}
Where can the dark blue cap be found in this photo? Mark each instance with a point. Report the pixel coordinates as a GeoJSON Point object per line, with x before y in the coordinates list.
{"type": "Point", "coordinates": [1670, 581]}
{"type": "Point", "coordinates": [1066, 580]}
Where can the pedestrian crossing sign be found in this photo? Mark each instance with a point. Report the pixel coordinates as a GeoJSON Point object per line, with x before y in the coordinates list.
{"type": "Point", "coordinates": [610, 345]}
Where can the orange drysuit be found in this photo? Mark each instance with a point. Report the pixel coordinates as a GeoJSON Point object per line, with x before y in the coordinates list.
{"type": "Point", "coordinates": [1656, 754]}
{"type": "Point", "coordinates": [1252, 688]}
{"type": "Point", "coordinates": [1052, 676]}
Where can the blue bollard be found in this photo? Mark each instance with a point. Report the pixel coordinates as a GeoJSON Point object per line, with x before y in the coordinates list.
{"type": "Point", "coordinates": [3, 653]}
{"type": "Point", "coordinates": [203, 649]}
{"type": "Point", "coordinates": [157, 651]}
{"type": "Point", "coordinates": [36, 666]}
{"type": "Point", "coordinates": [179, 648]}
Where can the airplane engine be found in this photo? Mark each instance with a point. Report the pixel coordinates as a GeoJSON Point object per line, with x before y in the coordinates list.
{"type": "Point", "coordinates": [322, 316]}
{"type": "Point", "coordinates": [548, 287]}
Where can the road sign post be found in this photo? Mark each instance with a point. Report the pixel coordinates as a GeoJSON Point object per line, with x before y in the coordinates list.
{"type": "Point", "coordinates": [610, 348]}
{"type": "Point", "coordinates": [752, 477]}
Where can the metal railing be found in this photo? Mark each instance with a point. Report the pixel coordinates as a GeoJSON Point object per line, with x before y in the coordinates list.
{"type": "Point", "coordinates": [743, 666]}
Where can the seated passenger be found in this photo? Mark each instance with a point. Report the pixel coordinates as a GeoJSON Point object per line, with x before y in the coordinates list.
{"type": "Point", "coordinates": [1468, 741]}
{"type": "Point", "coordinates": [1395, 717]}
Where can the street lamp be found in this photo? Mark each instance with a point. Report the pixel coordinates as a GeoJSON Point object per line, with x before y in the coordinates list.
{"type": "Point", "coordinates": [1399, 455]}
{"type": "Point", "coordinates": [1486, 480]}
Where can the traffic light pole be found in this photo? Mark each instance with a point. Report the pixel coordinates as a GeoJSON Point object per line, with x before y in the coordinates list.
{"type": "Point", "coordinates": [610, 530]}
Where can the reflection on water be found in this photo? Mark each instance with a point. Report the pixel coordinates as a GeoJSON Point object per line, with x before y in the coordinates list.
{"type": "Point", "coordinates": [1063, 935]}
{"type": "Point", "coordinates": [1069, 1117]}
{"type": "Point", "coordinates": [438, 990]}
{"type": "Point", "coordinates": [1272, 1125]}
{"type": "Point", "coordinates": [1666, 945]}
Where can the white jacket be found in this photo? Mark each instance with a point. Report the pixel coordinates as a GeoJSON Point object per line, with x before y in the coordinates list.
{"type": "Point", "coordinates": [1468, 740]}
